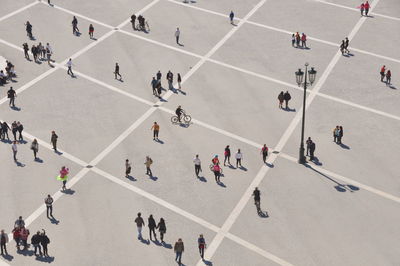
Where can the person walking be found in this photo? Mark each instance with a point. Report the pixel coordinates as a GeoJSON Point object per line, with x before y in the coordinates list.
{"type": "Point", "coordinates": [156, 130]}
{"type": "Point", "coordinates": [340, 136]}
{"type": "Point", "coordinates": [133, 19]}
{"type": "Point", "coordinates": [366, 8]}
{"type": "Point", "coordinates": [44, 241]}
{"type": "Point", "coordinates": [297, 39]}
{"type": "Point", "coordinates": [29, 29]}
{"type": "Point", "coordinates": [293, 39]}
{"type": "Point", "coordinates": [179, 248]}
{"type": "Point", "coordinates": [139, 224]}
{"type": "Point", "coordinates": [312, 150]}
{"type": "Point", "coordinates": [335, 133]}
{"type": "Point", "coordinates": [177, 35]}
{"type": "Point", "coordinates": [346, 45]}
{"type": "Point", "coordinates": [148, 163]}
{"type": "Point", "coordinates": [54, 139]}
{"type": "Point", "coordinates": [69, 65]}
{"type": "Point", "coordinates": [257, 199]}
{"type": "Point", "coordinates": [179, 79]}
{"type": "Point", "coordinates": [303, 40]}
{"type": "Point", "coordinates": [116, 72]}
{"type": "Point", "coordinates": [308, 145]}
{"type": "Point", "coordinates": [217, 172]}
{"type": "Point", "coordinates": [239, 157]}
{"type": "Point", "coordinates": [382, 72]}
{"type": "Point", "coordinates": [14, 129]}
{"type": "Point", "coordinates": [4, 130]}
{"type": "Point", "coordinates": [49, 206]}
{"type": "Point", "coordinates": [227, 154]}
{"type": "Point", "coordinates": [154, 86]}
{"type": "Point", "coordinates": [14, 150]}
{"type": "Point", "coordinates": [63, 177]}
{"type": "Point", "coordinates": [11, 94]}
{"type": "Point", "coordinates": [19, 222]}
{"type": "Point", "coordinates": [35, 241]}
{"type": "Point", "coordinates": [24, 234]}
{"type": "Point", "coordinates": [151, 223]}
{"type": "Point", "coordinates": [162, 229]}
{"type": "Point", "coordinates": [388, 77]}
{"type": "Point", "coordinates": [35, 148]}
{"type": "Point", "coordinates": [362, 9]}
{"type": "Point", "coordinates": [3, 242]}
{"type": "Point", "coordinates": [197, 165]}
{"type": "Point", "coordinates": [202, 245]}
{"type": "Point", "coordinates": [26, 50]}
{"type": "Point", "coordinates": [231, 16]}
{"type": "Point", "coordinates": [20, 128]}
{"type": "Point", "coordinates": [281, 98]}
{"type": "Point", "coordinates": [128, 168]}
{"type": "Point", "coordinates": [264, 152]}
{"type": "Point", "coordinates": [159, 75]}
{"type": "Point", "coordinates": [17, 236]}
{"type": "Point", "coordinates": [91, 31]}
{"type": "Point", "coordinates": [287, 98]}
{"type": "Point", "coordinates": [170, 79]}
{"type": "Point", "coordinates": [75, 29]}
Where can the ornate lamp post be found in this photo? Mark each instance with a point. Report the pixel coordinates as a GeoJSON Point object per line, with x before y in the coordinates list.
{"type": "Point", "coordinates": [299, 79]}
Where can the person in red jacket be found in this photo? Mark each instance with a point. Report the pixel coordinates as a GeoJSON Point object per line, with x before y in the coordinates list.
{"type": "Point", "coordinates": [382, 72]}
{"type": "Point", "coordinates": [388, 77]}
{"type": "Point", "coordinates": [366, 7]}
{"type": "Point", "coordinates": [362, 9]}
{"type": "Point", "coordinates": [16, 236]}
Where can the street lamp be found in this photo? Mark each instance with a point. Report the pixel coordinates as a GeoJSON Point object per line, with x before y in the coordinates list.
{"type": "Point", "coordinates": [299, 79]}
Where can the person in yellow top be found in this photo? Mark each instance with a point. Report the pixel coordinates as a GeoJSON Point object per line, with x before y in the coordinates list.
{"type": "Point", "coordinates": [148, 163]}
{"type": "Point", "coordinates": [156, 129]}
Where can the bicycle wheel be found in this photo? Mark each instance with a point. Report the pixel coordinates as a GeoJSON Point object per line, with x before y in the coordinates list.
{"type": "Point", "coordinates": [187, 119]}
{"type": "Point", "coordinates": [174, 120]}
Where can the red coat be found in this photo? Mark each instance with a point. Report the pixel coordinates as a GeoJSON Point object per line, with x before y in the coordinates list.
{"type": "Point", "coordinates": [366, 5]}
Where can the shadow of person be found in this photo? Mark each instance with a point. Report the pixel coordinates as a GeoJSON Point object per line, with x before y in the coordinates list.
{"type": "Point", "coordinates": [221, 184]}
{"type": "Point", "coordinates": [202, 178]}
{"type": "Point", "coordinates": [263, 214]}
{"type": "Point", "coordinates": [344, 146]}
{"type": "Point", "coordinates": [131, 178]}
{"type": "Point", "coordinates": [392, 87]}
{"type": "Point", "coordinates": [54, 220]}
{"type": "Point", "coordinates": [19, 164]}
{"type": "Point", "coordinates": [340, 188]}
{"type": "Point", "coordinates": [156, 242]}
{"type": "Point", "coordinates": [38, 160]}
{"type": "Point", "coordinates": [145, 241]}
{"type": "Point", "coordinates": [58, 152]}
{"type": "Point", "coordinates": [8, 257]}
{"type": "Point", "coordinates": [166, 245]}
{"type": "Point", "coordinates": [353, 188]}
{"type": "Point", "coordinates": [207, 262]}
{"type": "Point", "coordinates": [159, 141]}
{"type": "Point", "coordinates": [45, 259]}
{"type": "Point", "coordinates": [316, 161]}
{"type": "Point", "coordinates": [270, 165]}
{"type": "Point", "coordinates": [182, 92]}
{"type": "Point", "coordinates": [290, 109]}
{"type": "Point", "coordinates": [154, 178]}
{"type": "Point", "coordinates": [68, 191]}
{"type": "Point", "coordinates": [243, 168]}
{"type": "Point", "coordinates": [15, 108]}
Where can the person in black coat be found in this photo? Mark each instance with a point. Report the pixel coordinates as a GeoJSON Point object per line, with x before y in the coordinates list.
{"type": "Point", "coordinates": [287, 98]}
{"type": "Point", "coordinates": [162, 229]}
{"type": "Point", "coordinates": [312, 150]}
{"type": "Point", "coordinates": [152, 226]}
{"type": "Point", "coordinates": [44, 241]}
{"type": "Point", "coordinates": [35, 240]}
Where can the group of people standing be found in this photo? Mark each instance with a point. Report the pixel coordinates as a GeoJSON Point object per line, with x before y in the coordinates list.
{"type": "Point", "coordinates": [157, 86]}
{"type": "Point", "coordinates": [299, 41]}
{"type": "Point", "coordinates": [39, 52]}
{"type": "Point", "coordinates": [338, 134]}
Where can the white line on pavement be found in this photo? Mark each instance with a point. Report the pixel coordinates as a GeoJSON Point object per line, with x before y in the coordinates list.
{"type": "Point", "coordinates": [19, 10]}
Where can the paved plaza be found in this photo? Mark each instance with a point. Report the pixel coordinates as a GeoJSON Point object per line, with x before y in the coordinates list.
{"type": "Point", "coordinates": [342, 208]}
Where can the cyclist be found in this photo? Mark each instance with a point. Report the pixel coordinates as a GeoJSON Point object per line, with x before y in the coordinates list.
{"type": "Point", "coordinates": [256, 194]}
{"type": "Point", "coordinates": [215, 160]}
{"type": "Point", "coordinates": [179, 112]}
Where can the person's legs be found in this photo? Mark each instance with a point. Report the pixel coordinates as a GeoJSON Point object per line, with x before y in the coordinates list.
{"type": "Point", "coordinates": [15, 155]}
{"type": "Point", "coordinates": [197, 169]}
{"type": "Point", "coordinates": [264, 158]}
{"type": "Point", "coordinates": [64, 183]}
{"type": "Point", "coordinates": [139, 229]}
{"type": "Point", "coordinates": [226, 158]}
{"type": "Point", "coordinates": [45, 250]}
{"type": "Point", "coordinates": [162, 236]}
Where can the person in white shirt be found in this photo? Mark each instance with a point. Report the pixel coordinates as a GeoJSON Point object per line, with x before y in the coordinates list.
{"type": "Point", "coordinates": [177, 34]}
{"type": "Point", "coordinates": [197, 165]}
{"type": "Point", "coordinates": [69, 65]}
{"type": "Point", "coordinates": [239, 157]}
{"type": "Point", "coordinates": [14, 149]}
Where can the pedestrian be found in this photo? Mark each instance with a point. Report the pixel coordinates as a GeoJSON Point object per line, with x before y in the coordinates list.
{"type": "Point", "coordinates": [35, 241]}
{"type": "Point", "coordinates": [366, 8]}
{"type": "Point", "coordinates": [49, 206]}
{"type": "Point", "coordinates": [162, 229]}
{"type": "Point", "coordinates": [14, 150]}
{"type": "Point", "coordinates": [54, 139]}
{"type": "Point", "coordinates": [35, 148]}
{"type": "Point", "coordinates": [75, 29]}
{"type": "Point", "coordinates": [20, 128]}
{"type": "Point", "coordinates": [335, 133]}
{"type": "Point", "coordinates": [303, 40]}
{"type": "Point", "coordinates": [346, 45]}
{"type": "Point", "coordinates": [340, 136]}
{"type": "Point", "coordinates": [197, 165]}
{"type": "Point", "coordinates": [11, 94]}
{"type": "Point", "coordinates": [297, 39]}
{"type": "Point", "coordinates": [152, 226]}
{"type": "Point", "coordinates": [156, 130]}
{"type": "Point", "coordinates": [17, 236]}
{"type": "Point", "coordinates": [179, 249]}
{"type": "Point", "coordinates": [287, 98]}
{"type": "Point", "coordinates": [177, 35]}
{"type": "Point", "coordinates": [91, 31]}
{"type": "Point", "coordinates": [179, 79]}
{"type": "Point", "coordinates": [4, 130]}
{"type": "Point", "coordinates": [139, 224]}
{"type": "Point", "coordinates": [202, 245]}
{"type": "Point", "coordinates": [14, 129]}
{"type": "Point", "coordinates": [308, 145]}
{"type": "Point", "coordinates": [128, 168]}
{"type": "Point", "coordinates": [312, 150]}
{"type": "Point", "coordinates": [227, 154]}
{"type": "Point", "coordinates": [264, 152]}
{"type": "Point", "coordinates": [154, 86]}
{"type": "Point", "coordinates": [231, 16]}
{"type": "Point", "coordinates": [342, 47]}
{"type": "Point", "coordinates": [257, 199]}
{"type": "Point", "coordinates": [69, 65]}
{"type": "Point", "coordinates": [63, 177]}
{"type": "Point", "coordinates": [159, 75]}
{"type": "Point", "coordinates": [148, 163]}
{"type": "Point", "coordinates": [280, 99]}
{"type": "Point", "coordinates": [239, 157]}
{"type": "Point", "coordinates": [26, 50]}
{"type": "Point", "coordinates": [19, 222]}
{"type": "Point", "coordinates": [133, 19]}
{"type": "Point", "coordinates": [29, 29]}
{"type": "Point", "coordinates": [293, 39]}
{"type": "Point", "coordinates": [48, 1]}
{"type": "Point", "coordinates": [24, 234]}
{"type": "Point", "coordinates": [388, 77]}
{"type": "Point", "coordinates": [382, 72]}
{"type": "Point", "coordinates": [217, 172]}
{"type": "Point", "coordinates": [362, 9]}
{"type": "Point", "coordinates": [116, 72]}
{"type": "Point", "coordinates": [170, 78]}
{"type": "Point", "coordinates": [3, 242]}
{"type": "Point", "coordinates": [44, 241]}
{"type": "Point", "coordinates": [34, 52]}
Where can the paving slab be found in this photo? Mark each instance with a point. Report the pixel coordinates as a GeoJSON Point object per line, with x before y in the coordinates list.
{"type": "Point", "coordinates": [8, 6]}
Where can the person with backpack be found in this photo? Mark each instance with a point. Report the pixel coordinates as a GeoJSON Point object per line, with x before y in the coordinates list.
{"type": "Point", "coordinates": [287, 98]}
{"type": "Point", "coordinates": [162, 229]}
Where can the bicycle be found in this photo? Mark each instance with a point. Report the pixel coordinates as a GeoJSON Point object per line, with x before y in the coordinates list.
{"type": "Point", "coordinates": [184, 117]}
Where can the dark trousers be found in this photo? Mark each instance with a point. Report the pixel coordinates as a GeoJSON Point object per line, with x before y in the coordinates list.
{"type": "Point", "coordinates": [264, 157]}
{"type": "Point", "coordinates": [238, 162]}
{"type": "Point", "coordinates": [45, 250]}
{"type": "Point", "coordinates": [177, 39]}
{"type": "Point", "coordinates": [382, 75]}
{"type": "Point", "coordinates": [117, 74]}
{"type": "Point", "coordinates": [54, 145]}
{"type": "Point", "coordinates": [20, 135]}
{"type": "Point", "coordinates": [162, 236]}
{"type": "Point", "coordinates": [49, 211]}
{"type": "Point", "coordinates": [69, 72]}
{"type": "Point", "coordinates": [366, 11]}
{"type": "Point", "coordinates": [148, 171]}
{"type": "Point", "coordinates": [155, 134]}
{"type": "Point", "coordinates": [152, 229]}
{"type": "Point", "coordinates": [37, 246]}
{"type": "Point", "coordinates": [15, 155]}
{"type": "Point", "coordinates": [308, 150]}
{"type": "Point", "coordinates": [311, 154]}
{"type": "Point", "coordinates": [3, 248]}
{"type": "Point", "coordinates": [201, 251]}
{"type": "Point", "coordinates": [227, 157]}
{"type": "Point", "coordinates": [178, 257]}
{"type": "Point", "coordinates": [34, 153]}
{"type": "Point", "coordinates": [197, 169]}
{"type": "Point", "coordinates": [14, 132]}
{"type": "Point", "coordinates": [12, 101]}
{"type": "Point", "coordinates": [217, 176]}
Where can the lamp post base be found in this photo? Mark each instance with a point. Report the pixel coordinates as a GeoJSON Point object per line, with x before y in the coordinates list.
{"type": "Point", "coordinates": [302, 158]}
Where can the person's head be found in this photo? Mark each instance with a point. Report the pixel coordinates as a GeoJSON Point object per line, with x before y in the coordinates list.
{"type": "Point", "coordinates": [265, 145]}
{"type": "Point", "coordinates": [162, 220]}
{"type": "Point", "coordinates": [139, 214]}
{"type": "Point", "coordinates": [34, 140]}
{"type": "Point", "coordinates": [49, 196]}
{"type": "Point", "coordinates": [116, 64]}
{"type": "Point", "coordinates": [2, 231]}
{"type": "Point", "coordinates": [227, 146]}
{"type": "Point", "coordinates": [53, 132]}
{"type": "Point", "coordinates": [180, 240]}
{"type": "Point", "coordinates": [43, 232]}
{"type": "Point", "coordinates": [201, 235]}
{"type": "Point", "coordinates": [63, 168]}
{"type": "Point", "coordinates": [155, 123]}
{"type": "Point", "coordinates": [216, 156]}
{"type": "Point", "coordinates": [38, 232]}
{"type": "Point", "coordinates": [197, 156]}
{"type": "Point", "coordinates": [238, 150]}
{"type": "Point", "coordinates": [126, 160]}
{"type": "Point", "coordinates": [151, 216]}
{"type": "Point", "coordinates": [179, 106]}
{"type": "Point", "coordinates": [20, 218]}
{"type": "Point", "coordinates": [256, 188]}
